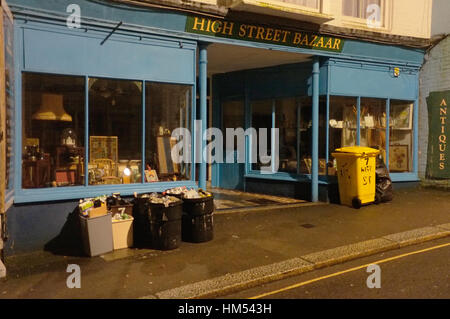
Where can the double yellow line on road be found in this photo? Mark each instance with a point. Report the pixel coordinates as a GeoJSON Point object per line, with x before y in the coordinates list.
{"type": "Point", "coordinates": [347, 271]}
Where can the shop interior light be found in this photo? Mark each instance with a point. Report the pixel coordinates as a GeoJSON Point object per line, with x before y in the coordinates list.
{"type": "Point", "coordinates": [52, 109]}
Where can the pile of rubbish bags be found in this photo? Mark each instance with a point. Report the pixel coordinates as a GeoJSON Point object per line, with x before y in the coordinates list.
{"type": "Point", "coordinates": [184, 192]}
{"type": "Point", "coordinates": [156, 198]}
{"type": "Point", "coordinates": [87, 204]}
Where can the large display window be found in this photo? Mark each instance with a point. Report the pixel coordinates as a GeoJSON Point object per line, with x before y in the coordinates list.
{"type": "Point", "coordinates": [53, 130]}
{"type": "Point", "coordinates": [374, 117]}
{"type": "Point", "coordinates": [373, 124]}
{"type": "Point", "coordinates": [55, 124]}
{"type": "Point", "coordinates": [168, 107]}
{"type": "Point", "coordinates": [343, 123]}
{"type": "Point", "coordinates": [401, 136]}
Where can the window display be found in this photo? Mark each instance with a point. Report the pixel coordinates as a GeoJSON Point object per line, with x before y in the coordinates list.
{"type": "Point", "coordinates": [53, 130]}
{"type": "Point", "coordinates": [342, 122]}
{"type": "Point", "coordinates": [262, 119]}
{"type": "Point", "coordinates": [233, 117]}
{"type": "Point", "coordinates": [373, 124]}
{"type": "Point", "coordinates": [400, 136]}
{"type": "Point", "coordinates": [115, 131]}
{"type": "Point", "coordinates": [286, 122]}
{"type": "Point", "coordinates": [305, 132]}
{"type": "Point", "coordinates": [167, 108]}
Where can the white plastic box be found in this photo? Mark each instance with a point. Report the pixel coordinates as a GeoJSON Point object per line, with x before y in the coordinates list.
{"type": "Point", "coordinates": [122, 233]}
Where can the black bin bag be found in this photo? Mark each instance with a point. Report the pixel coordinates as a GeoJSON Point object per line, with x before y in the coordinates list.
{"type": "Point", "coordinates": [383, 189]}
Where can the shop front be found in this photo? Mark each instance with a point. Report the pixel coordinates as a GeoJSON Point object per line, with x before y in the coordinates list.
{"type": "Point", "coordinates": [97, 105]}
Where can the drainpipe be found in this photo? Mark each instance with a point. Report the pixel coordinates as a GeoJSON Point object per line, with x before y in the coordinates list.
{"type": "Point", "coordinates": [315, 132]}
{"type": "Point", "coordinates": [203, 82]}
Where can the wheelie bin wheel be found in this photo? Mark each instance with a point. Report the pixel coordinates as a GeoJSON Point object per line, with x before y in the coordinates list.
{"type": "Point", "coordinates": [356, 203]}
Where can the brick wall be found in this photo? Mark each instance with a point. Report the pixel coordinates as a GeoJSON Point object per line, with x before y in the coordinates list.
{"type": "Point", "coordinates": [434, 76]}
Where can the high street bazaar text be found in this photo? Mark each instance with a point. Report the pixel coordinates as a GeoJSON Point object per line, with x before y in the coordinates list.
{"type": "Point", "coordinates": [265, 34]}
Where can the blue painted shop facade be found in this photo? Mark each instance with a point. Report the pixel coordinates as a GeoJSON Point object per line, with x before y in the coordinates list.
{"type": "Point", "coordinates": [151, 62]}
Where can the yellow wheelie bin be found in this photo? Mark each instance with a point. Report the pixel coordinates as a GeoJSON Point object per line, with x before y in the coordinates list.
{"type": "Point", "coordinates": [356, 175]}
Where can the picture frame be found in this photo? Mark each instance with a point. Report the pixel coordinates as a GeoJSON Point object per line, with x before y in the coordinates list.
{"type": "Point", "coordinates": [151, 176]}
{"type": "Point", "coordinates": [399, 158]}
{"type": "Point", "coordinates": [166, 165]}
{"type": "Point", "coordinates": [103, 147]}
{"type": "Point", "coordinates": [322, 165]}
{"type": "Point", "coordinates": [401, 116]}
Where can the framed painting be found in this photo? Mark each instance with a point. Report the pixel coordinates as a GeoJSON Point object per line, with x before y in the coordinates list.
{"type": "Point", "coordinates": [399, 158]}
{"type": "Point", "coordinates": [401, 116]}
{"type": "Point", "coordinates": [103, 147]}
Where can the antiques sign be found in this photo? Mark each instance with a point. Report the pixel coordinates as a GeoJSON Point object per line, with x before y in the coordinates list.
{"type": "Point", "coordinates": [439, 133]}
{"type": "Point", "coordinates": [264, 34]}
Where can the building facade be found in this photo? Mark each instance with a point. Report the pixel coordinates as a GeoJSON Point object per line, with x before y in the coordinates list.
{"type": "Point", "coordinates": [102, 85]}
{"type": "Point", "coordinates": [434, 156]}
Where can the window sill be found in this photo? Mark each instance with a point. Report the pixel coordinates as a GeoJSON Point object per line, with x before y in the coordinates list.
{"type": "Point", "coordinates": [361, 24]}
{"type": "Point", "coordinates": [78, 192]}
{"type": "Point", "coordinates": [285, 177]}
{"type": "Point", "coordinates": [323, 179]}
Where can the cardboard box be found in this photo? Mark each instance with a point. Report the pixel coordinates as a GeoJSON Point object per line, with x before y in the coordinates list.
{"type": "Point", "coordinates": [98, 211]}
{"type": "Point", "coordinates": [122, 233]}
{"type": "Point", "coordinates": [118, 209]}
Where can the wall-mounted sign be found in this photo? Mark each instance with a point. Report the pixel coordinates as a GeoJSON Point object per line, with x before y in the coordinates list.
{"type": "Point", "coordinates": [263, 34]}
{"type": "Point", "coordinates": [439, 132]}
{"type": "Point", "coordinates": [396, 72]}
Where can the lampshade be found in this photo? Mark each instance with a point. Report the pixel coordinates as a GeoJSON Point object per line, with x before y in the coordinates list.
{"type": "Point", "coordinates": [52, 109]}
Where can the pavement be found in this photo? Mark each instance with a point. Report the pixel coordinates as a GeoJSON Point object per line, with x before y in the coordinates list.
{"type": "Point", "coordinates": [250, 248]}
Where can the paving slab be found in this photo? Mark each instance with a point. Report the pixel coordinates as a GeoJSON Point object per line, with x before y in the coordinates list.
{"type": "Point", "coordinates": [418, 235]}
{"type": "Point", "coordinates": [240, 280]}
{"type": "Point", "coordinates": [340, 254]}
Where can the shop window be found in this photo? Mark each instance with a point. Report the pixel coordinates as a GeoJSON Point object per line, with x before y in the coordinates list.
{"type": "Point", "coordinates": [286, 122]}
{"type": "Point", "coordinates": [167, 108]}
{"type": "Point", "coordinates": [115, 131]}
{"type": "Point", "coordinates": [53, 130]}
{"type": "Point", "coordinates": [400, 136]}
{"type": "Point", "coordinates": [232, 117]}
{"type": "Point", "coordinates": [262, 119]}
{"type": "Point", "coordinates": [373, 124]}
{"type": "Point", "coordinates": [305, 132]}
{"type": "Point", "coordinates": [342, 122]}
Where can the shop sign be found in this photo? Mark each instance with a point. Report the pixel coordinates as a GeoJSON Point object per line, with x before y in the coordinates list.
{"type": "Point", "coordinates": [263, 34]}
{"type": "Point", "coordinates": [439, 129]}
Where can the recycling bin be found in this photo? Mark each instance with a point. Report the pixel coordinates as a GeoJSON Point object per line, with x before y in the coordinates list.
{"type": "Point", "coordinates": [198, 206]}
{"type": "Point", "coordinates": [141, 223]}
{"type": "Point", "coordinates": [197, 229]}
{"type": "Point", "coordinates": [122, 233]}
{"type": "Point", "coordinates": [165, 224]}
{"type": "Point", "coordinates": [356, 167]}
{"type": "Point", "coordinates": [96, 233]}
{"type": "Point", "coordinates": [198, 221]}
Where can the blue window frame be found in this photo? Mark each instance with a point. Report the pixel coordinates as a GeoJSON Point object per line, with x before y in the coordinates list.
{"type": "Point", "coordinates": [171, 61]}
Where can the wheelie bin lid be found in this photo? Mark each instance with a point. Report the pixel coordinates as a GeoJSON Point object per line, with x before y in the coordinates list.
{"type": "Point", "coordinates": [357, 150]}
